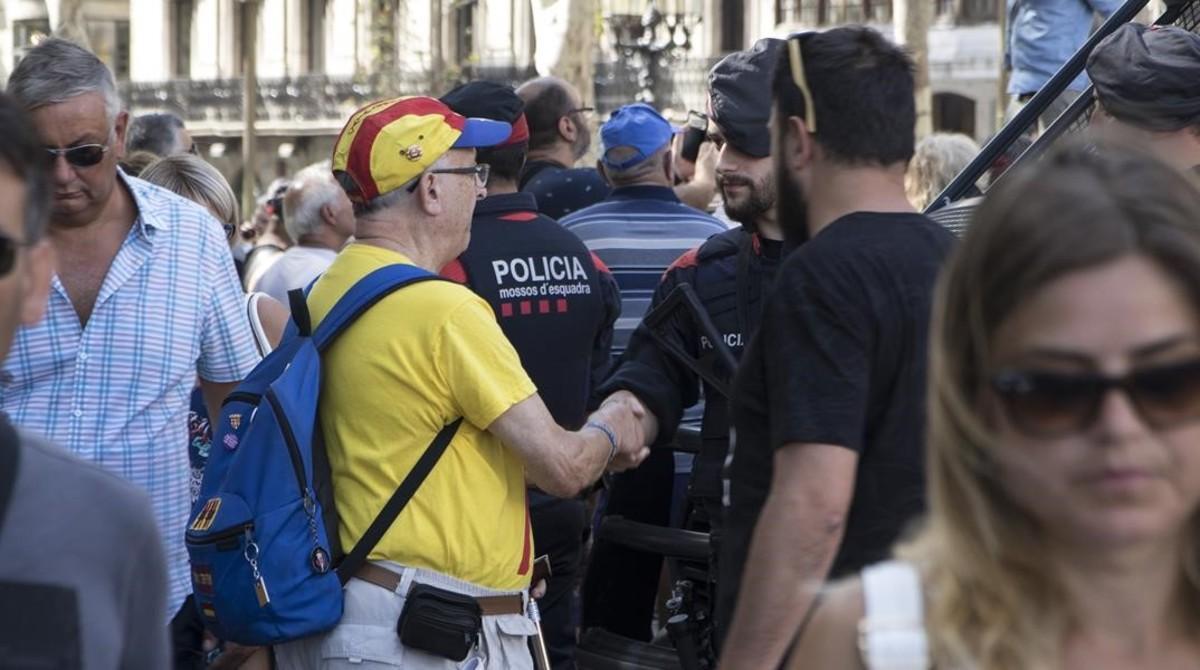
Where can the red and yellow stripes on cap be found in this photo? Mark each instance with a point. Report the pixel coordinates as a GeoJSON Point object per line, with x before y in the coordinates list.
{"type": "Point", "coordinates": [387, 144]}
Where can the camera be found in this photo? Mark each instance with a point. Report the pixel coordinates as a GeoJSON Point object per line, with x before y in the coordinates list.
{"type": "Point", "coordinates": [695, 135]}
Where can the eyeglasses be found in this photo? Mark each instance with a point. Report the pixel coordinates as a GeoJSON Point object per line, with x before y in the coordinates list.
{"type": "Point", "coordinates": [230, 230]}
{"type": "Point", "coordinates": [796, 60]}
{"type": "Point", "coordinates": [84, 155]}
{"type": "Point", "coordinates": [1056, 404]}
{"type": "Point", "coordinates": [8, 253]}
{"type": "Point", "coordinates": [480, 170]}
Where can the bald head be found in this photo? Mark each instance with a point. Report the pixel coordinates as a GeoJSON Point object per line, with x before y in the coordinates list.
{"type": "Point", "coordinates": [547, 101]}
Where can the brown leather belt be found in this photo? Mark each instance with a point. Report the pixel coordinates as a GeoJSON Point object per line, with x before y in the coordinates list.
{"type": "Point", "coordinates": [490, 605]}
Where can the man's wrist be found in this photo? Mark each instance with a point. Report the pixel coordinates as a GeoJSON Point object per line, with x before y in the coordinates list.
{"type": "Point", "coordinates": [608, 433]}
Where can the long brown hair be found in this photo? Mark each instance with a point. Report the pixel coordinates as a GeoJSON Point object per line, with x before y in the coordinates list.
{"type": "Point", "coordinates": [993, 605]}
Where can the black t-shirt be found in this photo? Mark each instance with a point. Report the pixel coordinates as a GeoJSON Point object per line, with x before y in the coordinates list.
{"type": "Point", "coordinates": [840, 359]}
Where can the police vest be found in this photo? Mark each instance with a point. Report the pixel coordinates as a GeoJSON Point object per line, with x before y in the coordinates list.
{"type": "Point", "coordinates": [545, 289]}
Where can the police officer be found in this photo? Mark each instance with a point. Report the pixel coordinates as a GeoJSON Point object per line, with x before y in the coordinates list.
{"type": "Point", "coordinates": [731, 274]}
{"type": "Point", "coordinates": [1144, 81]}
{"type": "Point", "coordinates": [557, 304]}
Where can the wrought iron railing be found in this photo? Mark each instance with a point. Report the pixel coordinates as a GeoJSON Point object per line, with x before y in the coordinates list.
{"type": "Point", "coordinates": [297, 99]}
{"type": "Point", "coordinates": [319, 98]}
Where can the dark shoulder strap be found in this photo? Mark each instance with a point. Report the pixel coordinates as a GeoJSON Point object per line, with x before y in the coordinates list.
{"type": "Point", "coordinates": [10, 457]}
{"type": "Point", "coordinates": [361, 297]}
{"type": "Point", "coordinates": [358, 555]}
{"type": "Point", "coordinates": [748, 315]}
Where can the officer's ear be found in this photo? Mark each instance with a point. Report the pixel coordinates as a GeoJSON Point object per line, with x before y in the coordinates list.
{"type": "Point", "coordinates": [668, 166]}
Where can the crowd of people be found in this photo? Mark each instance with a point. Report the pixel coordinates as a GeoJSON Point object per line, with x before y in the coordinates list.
{"type": "Point", "coordinates": [911, 450]}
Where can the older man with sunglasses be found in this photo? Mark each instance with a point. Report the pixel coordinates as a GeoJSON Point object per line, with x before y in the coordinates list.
{"type": "Point", "coordinates": [105, 606]}
{"type": "Point", "coordinates": [145, 300]}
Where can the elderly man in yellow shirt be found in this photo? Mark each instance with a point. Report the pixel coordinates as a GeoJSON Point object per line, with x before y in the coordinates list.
{"type": "Point", "coordinates": [418, 360]}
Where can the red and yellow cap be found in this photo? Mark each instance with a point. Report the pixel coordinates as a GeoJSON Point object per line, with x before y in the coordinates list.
{"type": "Point", "coordinates": [387, 144]}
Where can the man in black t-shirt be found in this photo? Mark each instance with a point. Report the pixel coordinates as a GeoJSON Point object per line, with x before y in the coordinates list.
{"type": "Point", "coordinates": [557, 304]}
{"type": "Point", "coordinates": [827, 457]}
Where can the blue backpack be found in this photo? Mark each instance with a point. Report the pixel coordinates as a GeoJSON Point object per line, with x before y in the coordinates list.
{"type": "Point", "coordinates": [263, 537]}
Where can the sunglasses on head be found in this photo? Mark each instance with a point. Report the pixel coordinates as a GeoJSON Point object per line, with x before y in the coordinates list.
{"type": "Point", "coordinates": [8, 253]}
{"type": "Point", "coordinates": [84, 155]}
{"type": "Point", "coordinates": [795, 45]}
{"type": "Point", "coordinates": [1051, 405]}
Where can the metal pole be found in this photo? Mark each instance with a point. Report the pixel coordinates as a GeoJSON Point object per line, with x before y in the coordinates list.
{"type": "Point", "coordinates": [1002, 78]}
{"type": "Point", "coordinates": [437, 60]}
{"type": "Point", "coordinates": [249, 11]}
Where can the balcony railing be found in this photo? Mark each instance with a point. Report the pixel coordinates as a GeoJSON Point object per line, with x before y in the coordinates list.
{"type": "Point", "coordinates": [321, 101]}
{"type": "Point", "coordinates": [311, 98]}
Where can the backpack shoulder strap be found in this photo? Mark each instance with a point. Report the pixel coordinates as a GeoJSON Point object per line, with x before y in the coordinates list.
{"type": "Point", "coordinates": [891, 635]}
{"type": "Point", "coordinates": [358, 555]}
{"type": "Point", "coordinates": [362, 296]}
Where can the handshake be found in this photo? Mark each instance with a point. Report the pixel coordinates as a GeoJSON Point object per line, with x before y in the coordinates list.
{"type": "Point", "coordinates": [626, 416]}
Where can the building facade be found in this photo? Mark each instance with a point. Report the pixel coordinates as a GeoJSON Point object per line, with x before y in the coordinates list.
{"type": "Point", "coordinates": [317, 60]}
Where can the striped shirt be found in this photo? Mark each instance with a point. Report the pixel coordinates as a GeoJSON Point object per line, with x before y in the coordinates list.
{"type": "Point", "coordinates": [116, 391]}
{"type": "Point", "coordinates": [638, 231]}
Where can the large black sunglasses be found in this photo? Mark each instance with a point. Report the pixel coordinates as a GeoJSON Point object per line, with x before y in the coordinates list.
{"type": "Point", "coordinates": [84, 155]}
{"type": "Point", "coordinates": [8, 253]}
{"type": "Point", "coordinates": [1051, 405]}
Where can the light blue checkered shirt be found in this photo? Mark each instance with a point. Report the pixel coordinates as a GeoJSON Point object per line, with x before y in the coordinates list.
{"type": "Point", "coordinates": [116, 392]}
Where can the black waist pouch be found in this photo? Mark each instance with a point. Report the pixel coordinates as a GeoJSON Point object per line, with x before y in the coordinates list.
{"type": "Point", "coordinates": [440, 622]}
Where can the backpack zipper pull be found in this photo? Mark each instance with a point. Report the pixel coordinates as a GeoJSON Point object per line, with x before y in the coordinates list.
{"type": "Point", "coordinates": [260, 585]}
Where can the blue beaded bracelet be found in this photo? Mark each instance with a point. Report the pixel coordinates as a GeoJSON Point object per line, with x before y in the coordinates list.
{"type": "Point", "coordinates": [608, 432]}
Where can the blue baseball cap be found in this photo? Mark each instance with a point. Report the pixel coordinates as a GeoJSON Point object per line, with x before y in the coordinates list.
{"type": "Point", "coordinates": [638, 126]}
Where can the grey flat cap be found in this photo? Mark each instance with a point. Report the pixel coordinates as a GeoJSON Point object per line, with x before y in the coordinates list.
{"type": "Point", "coordinates": [1149, 77]}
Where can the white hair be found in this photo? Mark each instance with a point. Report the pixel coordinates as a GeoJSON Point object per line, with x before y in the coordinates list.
{"type": "Point", "coordinates": [937, 161]}
{"type": "Point", "coordinates": [310, 190]}
{"type": "Point", "coordinates": [58, 70]}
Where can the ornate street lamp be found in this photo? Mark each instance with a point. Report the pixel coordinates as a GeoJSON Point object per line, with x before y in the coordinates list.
{"type": "Point", "coordinates": [645, 40]}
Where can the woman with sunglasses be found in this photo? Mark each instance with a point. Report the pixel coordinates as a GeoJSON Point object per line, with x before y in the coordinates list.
{"type": "Point", "coordinates": [1064, 445]}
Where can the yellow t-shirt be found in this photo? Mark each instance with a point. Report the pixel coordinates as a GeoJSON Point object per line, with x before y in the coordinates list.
{"type": "Point", "coordinates": [419, 359]}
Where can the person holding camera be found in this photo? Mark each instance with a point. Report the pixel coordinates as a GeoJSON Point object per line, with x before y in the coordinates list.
{"type": "Point", "coordinates": [731, 275]}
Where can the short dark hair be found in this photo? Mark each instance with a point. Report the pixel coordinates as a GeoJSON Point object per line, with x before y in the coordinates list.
{"type": "Point", "coordinates": [23, 155]}
{"type": "Point", "coordinates": [543, 110]}
{"type": "Point", "coordinates": [506, 162]}
{"type": "Point", "coordinates": [862, 90]}
{"type": "Point", "coordinates": [154, 133]}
